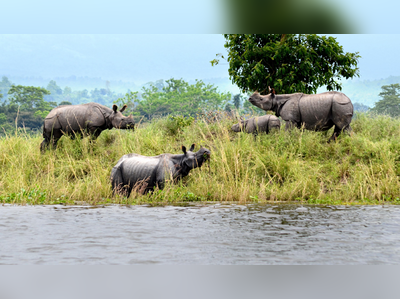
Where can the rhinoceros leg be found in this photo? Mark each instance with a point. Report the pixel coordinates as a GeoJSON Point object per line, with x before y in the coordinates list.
{"type": "Point", "coordinates": [56, 135]}
{"type": "Point", "coordinates": [117, 182]}
{"type": "Point", "coordinates": [94, 135]}
{"type": "Point", "coordinates": [50, 138]}
{"type": "Point", "coordinates": [290, 125]}
{"type": "Point", "coordinates": [273, 125]}
{"type": "Point", "coordinates": [44, 145]}
{"type": "Point", "coordinates": [338, 131]}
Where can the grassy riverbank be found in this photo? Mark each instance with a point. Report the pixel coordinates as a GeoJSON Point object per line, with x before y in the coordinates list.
{"type": "Point", "coordinates": [283, 166]}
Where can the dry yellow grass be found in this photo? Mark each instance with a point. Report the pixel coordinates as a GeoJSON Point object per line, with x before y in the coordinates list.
{"type": "Point", "coordinates": [282, 166]}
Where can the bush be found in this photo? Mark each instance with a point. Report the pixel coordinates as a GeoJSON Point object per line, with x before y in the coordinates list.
{"type": "Point", "coordinates": [175, 124]}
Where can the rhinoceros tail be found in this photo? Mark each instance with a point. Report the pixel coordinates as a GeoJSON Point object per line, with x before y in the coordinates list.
{"type": "Point", "coordinates": [342, 111]}
{"type": "Point", "coordinates": [44, 128]}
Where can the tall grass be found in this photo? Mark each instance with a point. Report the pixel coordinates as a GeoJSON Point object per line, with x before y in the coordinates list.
{"type": "Point", "coordinates": [282, 166]}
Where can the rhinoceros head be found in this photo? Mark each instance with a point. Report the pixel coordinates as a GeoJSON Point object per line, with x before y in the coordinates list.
{"type": "Point", "coordinates": [119, 121]}
{"type": "Point", "coordinates": [195, 159]}
{"type": "Point", "coordinates": [263, 102]}
{"type": "Point", "coordinates": [239, 126]}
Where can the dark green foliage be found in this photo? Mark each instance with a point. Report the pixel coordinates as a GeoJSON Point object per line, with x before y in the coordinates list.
{"type": "Point", "coordinates": [26, 109]}
{"type": "Point", "coordinates": [390, 102]}
{"type": "Point", "coordinates": [287, 62]}
{"type": "Point", "coordinates": [287, 16]}
{"type": "Point", "coordinates": [29, 97]}
{"type": "Point", "coordinates": [64, 103]}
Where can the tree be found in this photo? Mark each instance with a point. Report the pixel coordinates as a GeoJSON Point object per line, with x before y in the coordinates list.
{"type": "Point", "coordinates": [54, 88]}
{"type": "Point", "coordinates": [178, 97]}
{"type": "Point", "coordinates": [130, 98]}
{"type": "Point", "coordinates": [67, 90]}
{"type": "Point", "coordinates": [359, 107]}
{"type": "Point", "coordinates": [237, 100]}
{"type": "Point", "coordinates": [390, 102]}
{"type": "Point", "coordinates": [5, 86]}
{"type": "Point", "coordinates": [287, 62]}
{"type": "Point", "coordinates": [30, 100]}
{"type": "Point", "coordinates": [28, 97]}
{"type": "Point", "coordinates": [64, 103]}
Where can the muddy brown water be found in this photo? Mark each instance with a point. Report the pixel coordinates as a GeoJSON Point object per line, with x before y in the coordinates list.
{"type": "Point", "coordinates": [200, 234]}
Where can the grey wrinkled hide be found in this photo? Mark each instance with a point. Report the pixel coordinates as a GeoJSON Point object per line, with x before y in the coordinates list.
{"type": "Point", "coordinates": [143, 173]}
{"type": "Point", "coordinates": [258, 124]}
{"type": "Point", "coordinates": [317, 112]}
{"type": "Point", "coordinates": [91, 118]}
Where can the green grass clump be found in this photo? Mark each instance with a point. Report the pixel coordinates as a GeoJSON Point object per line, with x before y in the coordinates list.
{"type": "Point", "coordinates": [363, 168]}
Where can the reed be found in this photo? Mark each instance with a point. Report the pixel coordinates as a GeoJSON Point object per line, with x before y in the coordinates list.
{"type": "Point", "coordinates": [300, 166]}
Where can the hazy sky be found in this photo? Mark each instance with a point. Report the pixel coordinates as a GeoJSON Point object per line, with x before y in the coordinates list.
{"type": "Point", "coordinates": [178, 16]}
{"type": "Point", "coordinates": [379, 53]}
{"type": "Point", "coordinates": [163, 39]}
{"type": "Point", "coordinates": [149, 57]}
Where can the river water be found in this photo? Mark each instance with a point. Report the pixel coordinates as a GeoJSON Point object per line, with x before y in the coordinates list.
{"type": "Point", "coordinates": [200, 234]}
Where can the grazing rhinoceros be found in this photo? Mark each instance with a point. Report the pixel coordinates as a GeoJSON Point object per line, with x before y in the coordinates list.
{"type": "Point", "coordinates": [91, 118]}
{"type": "Point", "coordinates": [258, 124]}
{"type": "Point", "coordinates": [143, 173]}
{"type": "Point", "coordinates": [317, 112]}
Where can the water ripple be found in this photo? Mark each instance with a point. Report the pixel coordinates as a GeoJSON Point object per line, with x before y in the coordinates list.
{"type": "Point", "coordinates": [200, 234]}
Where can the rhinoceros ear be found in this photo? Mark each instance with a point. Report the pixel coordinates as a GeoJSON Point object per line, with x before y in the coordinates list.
{"type": "Point", "coordinates": [115, 108]}
{"type": "Point", "coordinates": [192, 147]}
{"type": "Point", "coordinates": [123, 108]}
{"type": "Point", "coordinates": [271, 91]}
{"type": "Point", "coordinates": [183, 149]}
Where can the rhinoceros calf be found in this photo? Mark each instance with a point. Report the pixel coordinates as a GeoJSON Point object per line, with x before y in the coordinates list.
{"type": "Point", "coordinates": [258, 124]}
{"type": "Point", "coordinates": [143, 173]}
{"type": "Point", "coordinates": [91, 118]}
{"type": "Point", "coordinates": [317, 112]}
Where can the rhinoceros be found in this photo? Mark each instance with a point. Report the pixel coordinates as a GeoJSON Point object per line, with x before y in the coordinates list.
{"type": "Point", "coordinates": [317, 112]}
{"type": "Point", "coordinates": [91, 118]}
{"type": "Point", "coordinates": [258, 124]}
{"type": "Point", "coordinates": [144, 173]}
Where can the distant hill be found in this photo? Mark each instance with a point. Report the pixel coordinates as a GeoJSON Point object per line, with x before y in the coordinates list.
{"type": "Point", "coordinates": [81, 83]}
{"type": "Point", "coordinates": [76, 83]}
{"type": "Point", "coordinates": [359, 91]}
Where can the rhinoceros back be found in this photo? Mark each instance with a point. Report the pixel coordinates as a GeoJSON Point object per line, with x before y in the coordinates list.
{"type": "Point", "coordinates": [135, 169]}
{"type": "Point", "coordinates": [75, 118]}
{"type": "Point", "coordinates": [317, 110]}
